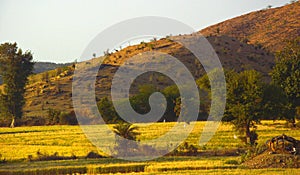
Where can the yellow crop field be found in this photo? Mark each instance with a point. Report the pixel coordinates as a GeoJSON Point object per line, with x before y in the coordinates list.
{"type": "Point", "coordinates": [17, 144]}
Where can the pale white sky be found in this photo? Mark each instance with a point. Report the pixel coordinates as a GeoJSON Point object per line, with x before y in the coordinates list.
{"type": "Point", "coordinates": [59, 30]}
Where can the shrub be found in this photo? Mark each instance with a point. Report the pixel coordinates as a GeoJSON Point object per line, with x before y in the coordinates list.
{"type": "Point", "coordinates": [57, 117]}
{"type": "Point", "coordinates": [2, 160]}
{"type": "Point", "coordinates": [93, 155]}
{"type": "Point", "coordinates": [46, 157]}
{"type": "Point", "coordinates": [185, 149]}
{"type": "Point", "coordinates": [231, 162]}
{"type": "Point", "coordinates": [68, 118]}
{"type": "Point", "coordinates": [33, 121]}
{"type": "Point", "coordinates": [53, 116]}
{"type": "Point", "coordinates": [260, 148]}
{"type": "Point", "coordinates": [127, 168]}
{"type": "Point", "coordinates": [4, 121]}
{"type": "Point", "coordinates": [246, 156]}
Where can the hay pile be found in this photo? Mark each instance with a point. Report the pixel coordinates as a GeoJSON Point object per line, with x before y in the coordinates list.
{"type": "Point", "coordinates": [267, 160]}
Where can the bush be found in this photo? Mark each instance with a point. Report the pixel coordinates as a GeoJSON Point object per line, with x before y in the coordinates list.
{"type": "Point", "coordinates": [185, 149]}
{"type": "Point", "coordinates": [231, 162]}
{"type": "Point", "coordinates": [68, 118]}
{"type": "Point", "coordinates": [2, 160]}
{"type": "Point", "coordinates": [93, 155]}
{"type": "Point", "coordinates": [33, 121]}
{"type": "Point", "coordinates": [46, 157]}
{"type": "Point", "coordinates": [246, 156]}
{"type": "Point", "coordinates": [128, 168]}
{"type": "Point", "coordinates": [56, 117]}
{"type": "Point", "coordinates": [53, 116]}
{"type": "Point", "coordinates": [260, 148]}
{"type": "Point", "coordinates": [4, 122]}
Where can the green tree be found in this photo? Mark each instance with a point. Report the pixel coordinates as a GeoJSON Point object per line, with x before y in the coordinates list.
{"type": "Point", "coordinates": [286, 72]}
{"type": "Point", "coordinates": [15, 67]}
{"type": "Point", "coordinates": [276, 104]}
{"type": "Point", "coordinates": [140, 101]}
{"type": "Point", "coordinates": [215, 77]}
{"type": "Point", "coordinates": [171, 93]}
{"type": "Point", "coordinates": [244, 103]}
{"type": "Point", "coordinates": [107, 111]}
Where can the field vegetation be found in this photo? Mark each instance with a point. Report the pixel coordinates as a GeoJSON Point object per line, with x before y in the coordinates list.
{"type": "Point", "coordinates": [21, 148]}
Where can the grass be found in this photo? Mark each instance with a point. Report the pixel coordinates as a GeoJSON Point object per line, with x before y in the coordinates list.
{"type": "Point", "coordinates": [16, 144]}
{"type": "Point", "coordinates": [228, 172]}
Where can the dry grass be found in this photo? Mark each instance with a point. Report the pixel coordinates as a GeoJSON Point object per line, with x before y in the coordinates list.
{"type": "Point", "coordinates": [268, 27]}
{"type": "Point", "coordinates": [17, 143]}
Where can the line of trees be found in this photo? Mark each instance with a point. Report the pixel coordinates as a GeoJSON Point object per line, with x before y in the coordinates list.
{"type": "Point", "coordinates": [249, 98]}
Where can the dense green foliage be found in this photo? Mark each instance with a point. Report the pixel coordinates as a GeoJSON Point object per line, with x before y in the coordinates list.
{"type": "Point", "coordinates": [56, 117]}
{"type": "Point", "coordinates": [286, 73]}
{"type": "Point", "coordinates": [15, 67]}
{"type": "Point", "coordinates": [276, 104]}
{"type": "Point", "coordinates": [244, 102]}
{"type": "Point", "coordinates": [107, 111]}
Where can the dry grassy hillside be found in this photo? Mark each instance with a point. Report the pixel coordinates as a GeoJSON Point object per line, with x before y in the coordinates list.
{"type": "Point", "coordinates": [268, 27]}
{"type": "Point", "coordinates": [56, 93]}
{"type": "Point", "coordinates": [245, 42]}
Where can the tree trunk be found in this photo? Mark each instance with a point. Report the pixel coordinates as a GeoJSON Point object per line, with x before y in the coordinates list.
{"type": "Point", "coordinates": [12, 124]}
{"type": "Point", "coordinates": [247, 132]}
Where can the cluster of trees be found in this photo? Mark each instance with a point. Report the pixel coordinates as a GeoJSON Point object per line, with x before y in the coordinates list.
{"type": "Point", "coordinates": [249, 98]}
{"type": "Point", "coordinates": [56, 117]}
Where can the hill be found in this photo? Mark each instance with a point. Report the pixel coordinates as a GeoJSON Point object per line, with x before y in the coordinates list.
{"type": "Point", "coordinates": [40, 67]}
{"type": "Point", "coordinates": [269, 27]}
{"type": "Point", "coordinates": [56, 93]}
{"type": "Point", "coordinates": [53, 89]}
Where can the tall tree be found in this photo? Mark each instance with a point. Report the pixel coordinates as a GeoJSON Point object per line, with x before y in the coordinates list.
{"type": "Point", "coordinates": [107, 111]}
{"type": "Point", "coordinates": [244, 102]}
{"type": "Point", "coordinates": [15, 67]}
{"type": "Point", "coordinates": [286, 73]}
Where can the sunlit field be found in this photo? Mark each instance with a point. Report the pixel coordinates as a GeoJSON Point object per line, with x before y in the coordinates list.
{"type": "Point", "coordinates": [17, 144]}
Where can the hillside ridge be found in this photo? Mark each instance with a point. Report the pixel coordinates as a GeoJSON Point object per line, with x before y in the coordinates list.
{"type": "Point", "coordinates": [53, 89]}
{"type": "Point", "coordinates": [268, 27]}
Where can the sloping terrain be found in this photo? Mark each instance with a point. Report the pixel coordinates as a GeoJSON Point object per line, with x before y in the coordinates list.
{"type": "Point", "coordinates": [269, 27]}
{"type": "Point", "coordinates": [40, 67]}
{"type": "Point", "coordinates": [266, 160]}
{"type": "Point", "coordinates": [53, 89]}
{"type": "Point", "coordinates": [56, 93]}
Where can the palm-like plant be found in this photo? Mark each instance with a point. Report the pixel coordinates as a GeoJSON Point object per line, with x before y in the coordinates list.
{"type": "Point", "coordinates": [126, 130]}
{"type": "Point", "coordinates": [124, 147]}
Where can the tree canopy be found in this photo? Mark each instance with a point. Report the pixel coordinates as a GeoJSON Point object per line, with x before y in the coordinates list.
{"type": "Point", "coordinates": [15, 67]}
{"type": "Point", "coordinates": [286, 72]}
{"type": "Point", "coordinates": [244, 107]}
